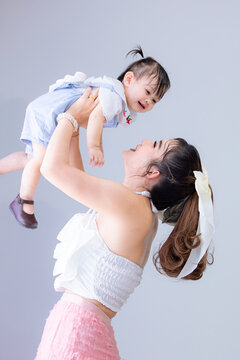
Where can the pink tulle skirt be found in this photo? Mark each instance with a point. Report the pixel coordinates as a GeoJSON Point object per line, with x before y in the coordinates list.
{"type": "Point", "coordinates": [76, 329]}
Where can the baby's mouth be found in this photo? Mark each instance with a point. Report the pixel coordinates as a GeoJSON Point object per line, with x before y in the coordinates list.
{"type": "Point", "coordinates": [142, 106]}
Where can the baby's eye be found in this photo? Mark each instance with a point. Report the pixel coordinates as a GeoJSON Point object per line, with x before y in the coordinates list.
{"type": "Point", "coordinates": [154, 145]}
{"type": "Point", "coordinates": [154, 101]}
{"type": "Point", "coordinates": [147, 92]}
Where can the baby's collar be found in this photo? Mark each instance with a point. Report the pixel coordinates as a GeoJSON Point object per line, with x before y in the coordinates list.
{"type": "Point", "coordinates": [128, 116]}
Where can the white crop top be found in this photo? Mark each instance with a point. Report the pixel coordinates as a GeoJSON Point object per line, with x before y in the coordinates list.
{"type": "Point", "coordinates": [87, 267]}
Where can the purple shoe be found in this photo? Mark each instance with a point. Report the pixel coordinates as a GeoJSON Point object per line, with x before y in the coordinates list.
{"type": "Point", "coordinates": [27, 220]}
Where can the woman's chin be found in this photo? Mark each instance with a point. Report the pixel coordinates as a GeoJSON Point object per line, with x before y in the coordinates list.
{"type": "Point", "coordinates": [129, 151]}
{"type": "Point", "coordinates": [125, 154]}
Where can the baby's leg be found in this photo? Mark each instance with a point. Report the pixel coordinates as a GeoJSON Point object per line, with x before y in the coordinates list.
{"type": "Point", "coordinates": [13, 162]}
{"type": "Point", "coordinates": [31, 175]}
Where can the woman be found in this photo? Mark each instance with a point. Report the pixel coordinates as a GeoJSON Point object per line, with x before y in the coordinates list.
{"type": "Point", "coordinates": [101, 254]}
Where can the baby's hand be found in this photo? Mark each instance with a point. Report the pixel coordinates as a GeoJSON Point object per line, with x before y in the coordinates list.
{"type": "Point", "coordinates": [96, 157]}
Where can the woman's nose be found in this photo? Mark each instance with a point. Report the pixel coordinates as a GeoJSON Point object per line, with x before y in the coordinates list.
{"type": "Point", "coordinates": [146, 142]}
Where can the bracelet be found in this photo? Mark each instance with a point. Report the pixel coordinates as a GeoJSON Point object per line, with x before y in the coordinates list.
{"type": "Point", "coordinates": [69, 118]}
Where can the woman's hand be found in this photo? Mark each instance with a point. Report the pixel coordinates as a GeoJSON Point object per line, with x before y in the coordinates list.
{"type": "Point", "coordinates": [82, 108]}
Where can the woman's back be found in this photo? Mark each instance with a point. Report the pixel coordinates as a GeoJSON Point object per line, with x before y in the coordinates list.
{"type": "Point", "coordinates": [131, 235]}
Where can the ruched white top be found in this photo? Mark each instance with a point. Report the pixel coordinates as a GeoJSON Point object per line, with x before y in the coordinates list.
{"type": "Point", "coordinates": [87, 267]}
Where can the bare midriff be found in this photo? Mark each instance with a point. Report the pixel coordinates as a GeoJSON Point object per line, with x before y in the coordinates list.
{"type": "Point", "coordinates": [105, 309]}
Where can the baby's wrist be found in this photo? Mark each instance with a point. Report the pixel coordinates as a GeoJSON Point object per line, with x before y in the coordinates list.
{"type": "Point", "coordinates": [75, 133]}
{"type": "Point", "coordinates": [94, 147]}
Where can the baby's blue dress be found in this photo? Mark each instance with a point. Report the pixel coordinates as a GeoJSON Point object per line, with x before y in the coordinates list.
{"type": "Point", "coordinates": [40, 120]}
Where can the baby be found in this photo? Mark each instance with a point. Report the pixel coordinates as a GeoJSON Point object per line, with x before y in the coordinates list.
{"type": "Point", "coordinates": [136, 90]}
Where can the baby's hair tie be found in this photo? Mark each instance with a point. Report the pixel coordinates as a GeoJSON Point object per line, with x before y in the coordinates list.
{"type": "Point", "coordinates": [143, 57]}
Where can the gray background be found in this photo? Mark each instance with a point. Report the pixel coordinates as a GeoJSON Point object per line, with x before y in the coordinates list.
{"type": "Point", "coordinates": [198, 44]}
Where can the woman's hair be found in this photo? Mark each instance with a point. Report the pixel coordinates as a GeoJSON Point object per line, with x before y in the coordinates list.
{"type": "Point", "coordinates": [175, 193]}
{"type": "Point", "coordinates": [150, 68]}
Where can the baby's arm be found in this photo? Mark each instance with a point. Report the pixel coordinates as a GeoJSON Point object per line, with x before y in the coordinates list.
{"type": "Point", "coordinates": [94, 137]}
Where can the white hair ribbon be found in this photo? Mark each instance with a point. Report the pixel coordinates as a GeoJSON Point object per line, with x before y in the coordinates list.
{"type": "Point", "coordinates": [205, 222]}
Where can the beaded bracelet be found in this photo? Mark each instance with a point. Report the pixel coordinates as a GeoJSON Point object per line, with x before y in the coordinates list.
{"type": "Point", "coordinates": [69, 118]}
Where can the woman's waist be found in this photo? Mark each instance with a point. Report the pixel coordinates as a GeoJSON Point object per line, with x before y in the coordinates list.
{"type": "Point", "coordinates": [91, 304]}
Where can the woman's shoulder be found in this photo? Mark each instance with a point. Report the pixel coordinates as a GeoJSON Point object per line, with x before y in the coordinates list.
{"type": "Point", "coordinates": [133, 212]}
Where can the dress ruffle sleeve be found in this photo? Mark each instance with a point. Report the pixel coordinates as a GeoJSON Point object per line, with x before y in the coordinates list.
{"type": "Point", "coordinates": [110, 102]}
{"type": "Point", "coordinates": [76, 79]}
{"type": "Point", "coordinates": [71, 239]}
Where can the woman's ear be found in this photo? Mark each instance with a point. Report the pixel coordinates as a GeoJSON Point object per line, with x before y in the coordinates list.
{"type": "Point", "coordinates": [128, 77]}
{"type": "Point", "coordinates": [153, 173]}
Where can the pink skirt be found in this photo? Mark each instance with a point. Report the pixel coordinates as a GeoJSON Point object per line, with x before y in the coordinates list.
{"type": "Point", "coordinates": [76, 329]}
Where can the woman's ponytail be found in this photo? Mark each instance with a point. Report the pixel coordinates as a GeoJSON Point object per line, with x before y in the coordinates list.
{"type": "Point", "coordinates": [176, 194]}
{"type": "Point", "coordinates": [174, 253]}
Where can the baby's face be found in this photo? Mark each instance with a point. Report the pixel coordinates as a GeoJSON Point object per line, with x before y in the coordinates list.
{"type": "Point", "coordinates": [139, 94]}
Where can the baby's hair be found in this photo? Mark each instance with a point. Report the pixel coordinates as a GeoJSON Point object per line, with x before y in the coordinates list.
{"type": "Point", "coordinates": [150, 68]}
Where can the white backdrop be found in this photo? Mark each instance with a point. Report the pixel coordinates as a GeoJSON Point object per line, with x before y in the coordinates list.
{"type": "Point", "coordinates": [198, 44]}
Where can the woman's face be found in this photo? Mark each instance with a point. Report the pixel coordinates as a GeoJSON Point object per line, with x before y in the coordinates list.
{"type": "Point", "coordinates": [136, 160]}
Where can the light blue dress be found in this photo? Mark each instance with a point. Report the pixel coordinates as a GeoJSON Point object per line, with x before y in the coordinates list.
{"type": "Point", "coordinates": [40, 120]}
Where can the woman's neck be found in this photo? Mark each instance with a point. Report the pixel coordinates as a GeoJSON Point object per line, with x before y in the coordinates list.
{"type": "Point", "coordinates": [134, 184]}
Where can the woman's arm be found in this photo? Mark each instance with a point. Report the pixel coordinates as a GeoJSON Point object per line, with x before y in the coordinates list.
{"type": "Point", "coordinates": [102, 195]}
{"type": "Point", "coordinates": [75, 158]}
